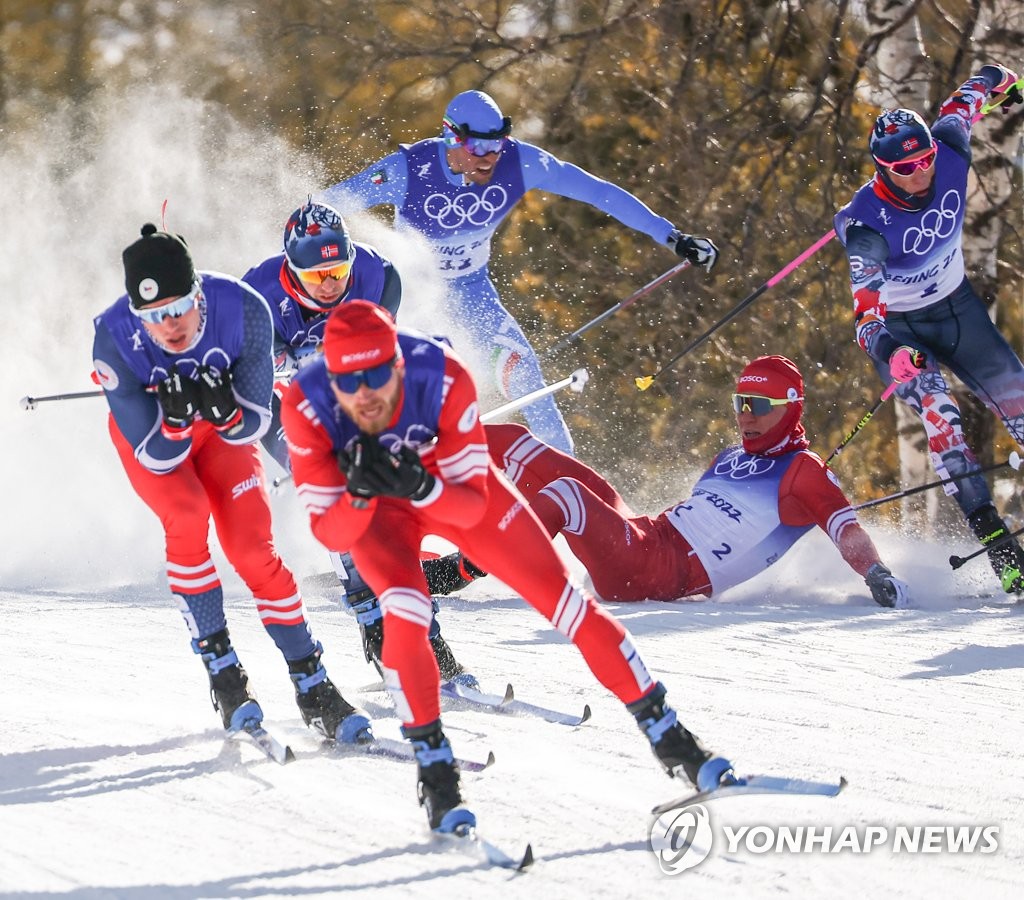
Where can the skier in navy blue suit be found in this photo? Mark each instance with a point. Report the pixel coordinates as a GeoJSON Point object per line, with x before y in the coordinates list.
{"type": "Point", "coordinates": [456, 190]}
{"type": "Point", "coordinates": [321, 268]}
{"type": "Point", "coordinates": [914, 306]}
{"type": "Point", "coordinates": [184, 361]}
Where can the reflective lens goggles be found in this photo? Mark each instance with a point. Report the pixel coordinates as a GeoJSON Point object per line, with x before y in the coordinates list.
{"type": "Point", "coordinates": [175, 309]}
{"type": "Point", "coordinates": [319, 275]}
{"type": "Point", "coordinates": [483, 146]}
{"type": "Point", "coordinates": [479, 143]}
{"type": "Point", "coordinates": [759, 406]}
{"type": "Point", "coordinates": [910, 166]}
{"type": "Point", "coordinates": [374, 378]}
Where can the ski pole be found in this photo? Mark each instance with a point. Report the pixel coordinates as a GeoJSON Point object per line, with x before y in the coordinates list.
{"type": "Point", "coordinates": [30, 402]}
{"type": "Point", "coordinates": [864, 421]}
{"type": "Point", "coordinates": [632, 298]}
{"type": "Point", "coordinates": [1014, 462]}
{"type": "Point", "coordinates": [643, 382]}
{"type": "Point", "coordinates": [956, 562]}
{"type": "Point", "coordinates": [574, 382]}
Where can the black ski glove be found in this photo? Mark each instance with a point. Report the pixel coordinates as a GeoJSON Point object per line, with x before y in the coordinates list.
{"type": "Point", "coordinates": [359, 463]}
{"type": "Point", "coordinates": [699, 251]}
{"type": "Point", "coordinates": [372, 471]}
{"type": "Point", "coordinates": [179, 402]}
{"type": "Point", "coordinates": [885, 589]}
{"type": "Point", "coordinates": [217, 402]}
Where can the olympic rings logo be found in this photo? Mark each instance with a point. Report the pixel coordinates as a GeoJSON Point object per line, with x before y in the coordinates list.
{"type": "Point", "coordinates": [477, 210]}
{"type": "Point", "coordinates": [737, 468]}
{"type": "Point", "coordinates": [935, 224]}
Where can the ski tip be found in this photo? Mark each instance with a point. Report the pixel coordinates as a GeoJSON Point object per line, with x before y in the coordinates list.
{"type": "Point", "coordinates": [586, 713]}
{"type": "Point", "coordinates": [490, 759]}
{"type": "Point", "coordinates": [527, 859]}
{"type": "Point", "coordinates": [289, 755]}
{"type": "Point", "coordinates": [510, 694]}
{"type": "Point", "coordinates": [842, 783]}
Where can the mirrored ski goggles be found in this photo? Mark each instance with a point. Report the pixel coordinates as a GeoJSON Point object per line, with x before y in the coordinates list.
{"type": "Point", "coordinates": [374, 378]}
{"type": "Point", "coordinates": [319, 275]}
{"type": "Point", "coordinates": [759, 406]}
{"type": "Point", "coordinates": [175, 309]}
{"type": "Point", "coordinates": [483, 146]}
{"type": "Point", "coordinates": [479, 143]}
{"type": "Point", "coordinates": [910, 166]}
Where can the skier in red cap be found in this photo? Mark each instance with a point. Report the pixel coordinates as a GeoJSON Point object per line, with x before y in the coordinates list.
{"type": "Point", "coordinates": [386, 447]}
{"type": "Point", "coordinates": [754, 502]}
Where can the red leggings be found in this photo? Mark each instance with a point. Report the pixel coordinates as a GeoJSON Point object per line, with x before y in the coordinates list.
{"type": "Point", "coordinates": [225, 481]}
{"type": "Point", "coordinates": [628, 557]}
{"type": "Point", "coordinates": [510, 543]}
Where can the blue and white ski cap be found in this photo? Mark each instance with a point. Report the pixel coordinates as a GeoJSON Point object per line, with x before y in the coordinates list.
{"type": "Point", "coordinates": [477, 110]}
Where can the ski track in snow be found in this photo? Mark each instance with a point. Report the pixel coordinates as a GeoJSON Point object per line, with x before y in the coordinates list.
{"type": "Point", "coordinates": [115, 780]}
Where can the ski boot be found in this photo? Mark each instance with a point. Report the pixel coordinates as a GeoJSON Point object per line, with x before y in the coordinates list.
{"type": "Point", "coordinates": [229, 685]}
{"type": "Point", "coordinates": [448, 574]}
{"type": "Point", "coordinates": [675, 748]}
{"type": "Point", "coordinates": [1007, 559]}
{"type": "Point", "coordinates": [449, 667]}
{"type": "Point", "coordinates": [370, 617]}
{"type": "Point", "coordinates": [322, 705]}
{"type": "Point", "coordinates": [438, 785]}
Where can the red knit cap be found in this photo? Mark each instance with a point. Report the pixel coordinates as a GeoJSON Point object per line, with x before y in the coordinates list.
{"type": "Point", "coordinates": [359, 335]}
{"type": "Point", "coordinates": [771, 376]}
{"type": "Point", "coordinates": [778, 378]}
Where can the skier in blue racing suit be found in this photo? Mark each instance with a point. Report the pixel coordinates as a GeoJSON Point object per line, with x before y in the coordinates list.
{"type": "Point", "coordinates": [456, 190]}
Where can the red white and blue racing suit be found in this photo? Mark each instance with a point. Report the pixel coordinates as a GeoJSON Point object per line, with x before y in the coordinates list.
{"type": "Point", "coordinates": [909, 288]}
{"type": "Point", "coordinates": [744, 514]}
{"type": "Point", "coordinates": [471, 505]}
{"type": "Point", "coordinates": [184, 482]}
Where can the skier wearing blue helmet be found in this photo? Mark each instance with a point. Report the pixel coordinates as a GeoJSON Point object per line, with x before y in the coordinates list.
{"type": "Point", "coordinates": [914, 307]}
{"type": "Point", "coordinates": [456, 189]}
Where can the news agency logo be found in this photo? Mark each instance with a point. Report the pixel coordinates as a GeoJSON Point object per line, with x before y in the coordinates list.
{"type": "Point", "coordinates": [683, 838]}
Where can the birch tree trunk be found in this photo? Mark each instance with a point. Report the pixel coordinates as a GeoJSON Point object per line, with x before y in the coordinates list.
{"type": "Point", "coordinates": [997, 144]}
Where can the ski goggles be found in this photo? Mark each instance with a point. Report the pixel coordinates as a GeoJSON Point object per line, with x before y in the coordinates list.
{"type": "Point", "coordinates": [339, 272]}
{"type": "Point", "coordinates": [759, 406]}
{"type": "Point", "coordinates": [374, 378]}
{"type": "Point", "coordinates": [910, 166]}
{"type": "Point", "coordinates": [175, 309]}
{"type": "Point", "coordinates": [479, 143]}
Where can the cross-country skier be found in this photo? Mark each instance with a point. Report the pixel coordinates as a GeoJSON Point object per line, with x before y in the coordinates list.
{"type": "Point", "coordinates": [185, 361]}
{"type": "Point", "coordinates": [320, 268]}
{"type": "Point", "coordinates": [456, 190]}
{"type": "Point", "coordinates": [913, 305]}
{"type": "Point", "coordinates": [754, 502]}
{"type": "Point", "coordinates": [387, 446]}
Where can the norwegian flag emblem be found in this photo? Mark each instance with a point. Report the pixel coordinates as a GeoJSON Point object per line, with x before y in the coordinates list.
{"type": "Point", "coordinates": [329, 251]}
{"type": "Point", "coordinates": [910, 144]}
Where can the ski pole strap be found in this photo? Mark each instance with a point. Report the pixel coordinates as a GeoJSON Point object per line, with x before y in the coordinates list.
{"type": "Point", "coordinates": [988, 107]}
